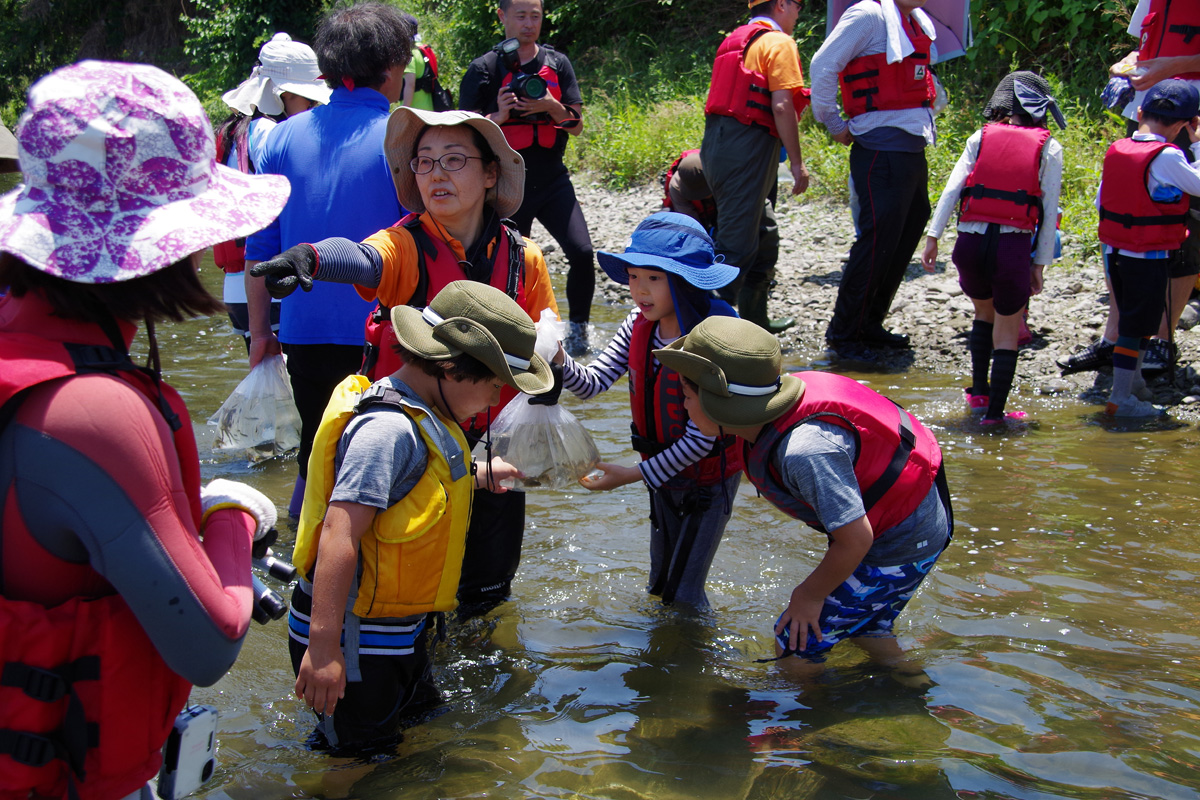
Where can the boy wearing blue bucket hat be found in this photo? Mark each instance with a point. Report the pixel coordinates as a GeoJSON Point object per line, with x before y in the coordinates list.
{"type": "Point", "coordinates": [671, 272]}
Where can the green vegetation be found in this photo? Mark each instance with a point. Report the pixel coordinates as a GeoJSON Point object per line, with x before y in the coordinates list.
{"type": "Point", "coordinates": [643, 65]}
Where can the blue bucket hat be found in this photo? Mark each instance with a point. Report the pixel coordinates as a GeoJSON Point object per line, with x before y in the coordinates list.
{"type": "Point", "coordinates": [674, 243]}
{"type": "Point", "coordinates": [1173, 99]}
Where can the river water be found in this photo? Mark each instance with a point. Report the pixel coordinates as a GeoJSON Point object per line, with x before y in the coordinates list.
{"type": "Point", "coordinates": [1058, 633]}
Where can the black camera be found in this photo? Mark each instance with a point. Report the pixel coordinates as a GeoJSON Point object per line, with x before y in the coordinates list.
{"type": "Point", "coordinates": [268, 604]}
{"type": "Point", "coordinates": [523, 85]}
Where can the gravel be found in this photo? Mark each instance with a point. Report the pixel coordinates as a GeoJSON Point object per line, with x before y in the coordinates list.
{"type": "Point", "coordinates": [815, 238]}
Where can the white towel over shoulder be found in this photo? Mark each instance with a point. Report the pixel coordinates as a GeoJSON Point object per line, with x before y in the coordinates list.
{"type": "Point", "coordinates": [898, 44]}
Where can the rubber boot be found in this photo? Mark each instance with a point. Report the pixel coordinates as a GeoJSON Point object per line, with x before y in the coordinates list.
{"type": "Point", "coordinates": [752, 305]}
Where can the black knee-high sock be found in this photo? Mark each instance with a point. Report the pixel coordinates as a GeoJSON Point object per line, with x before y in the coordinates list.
{"type": "Point", "coordinates": [980, 346]}
{"type": "Point", "coordinates": [1004, 367]}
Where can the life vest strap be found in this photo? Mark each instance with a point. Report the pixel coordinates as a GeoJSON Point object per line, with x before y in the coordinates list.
{"type": "Point", "coordinates": [1021, 197]}
{"type": "Point", "coordinates": [891, 474]}
{"type": "Point", "coordinates": [1131, 221]}
{"type": "Point", "coordinates": [49, 685]}
{"type": "Point", "coordinates": [1188, 31]}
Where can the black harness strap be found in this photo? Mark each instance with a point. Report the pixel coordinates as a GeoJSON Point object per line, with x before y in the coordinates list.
{"type": "Point", "coordinates": [1189, 32]}
{"type": "Point", "coordinates": [891, 474]}
{"type": "Point", "coordinates": [1131, 221]}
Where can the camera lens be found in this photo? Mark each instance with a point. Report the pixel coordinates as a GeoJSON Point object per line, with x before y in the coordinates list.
{"type": "Point", "coordinates": [535, 87]}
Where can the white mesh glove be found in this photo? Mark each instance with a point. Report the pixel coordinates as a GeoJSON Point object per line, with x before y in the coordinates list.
{"type": "Point", "coordinates": [221, 493]}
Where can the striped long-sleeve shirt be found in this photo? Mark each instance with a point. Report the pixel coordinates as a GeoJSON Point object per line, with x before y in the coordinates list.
{"type": "Point", "coordinates": [588, 381]}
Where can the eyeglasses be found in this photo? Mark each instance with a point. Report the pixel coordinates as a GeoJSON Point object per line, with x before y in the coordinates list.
{"type": "Point", "coordinates": [451, 162]}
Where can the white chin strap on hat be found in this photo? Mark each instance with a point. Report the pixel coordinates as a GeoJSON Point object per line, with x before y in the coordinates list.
{"type": "Point", "coordinates": [754, 391]}
{"type": "Point", "coordinates": [434, 319]}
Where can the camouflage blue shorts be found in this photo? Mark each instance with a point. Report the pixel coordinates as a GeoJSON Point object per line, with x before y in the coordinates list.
{"type": "Point", "coordinates": [866, 604]}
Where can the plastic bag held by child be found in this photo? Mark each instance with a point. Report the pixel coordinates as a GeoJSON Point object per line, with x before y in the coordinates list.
{"type": "Point", "coordinates": [260, 417]}
{"type": "Point", "coordinates": [545, 442]}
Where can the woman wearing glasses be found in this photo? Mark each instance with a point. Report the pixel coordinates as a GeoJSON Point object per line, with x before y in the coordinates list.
{"type": "Point", "coordinates": [459, 179]}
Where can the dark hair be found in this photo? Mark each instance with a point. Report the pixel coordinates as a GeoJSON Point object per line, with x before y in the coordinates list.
{"type": "Point", "coordinates": [360, 41]}
{"type": "Point", "coordinates": [462, 368]}
{"type": "Point", "coordinates": [1159, 119]}
{"type": "Point", "coordinates": [478, 139]}
{"type": "Point", "coordinates": [173, 293]}
{"type": "Point", "coordinates": [504, 4]}
{"type": "Point", "coordinates": [235, 132]}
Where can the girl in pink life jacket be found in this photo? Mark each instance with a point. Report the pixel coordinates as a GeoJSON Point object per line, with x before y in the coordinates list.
{"type": "Point", "coordinates": [671, 272]}
{"type": "Point", "coordinates": [1006, 186]}
{"type": "Point", "coordinates": [119, 574]}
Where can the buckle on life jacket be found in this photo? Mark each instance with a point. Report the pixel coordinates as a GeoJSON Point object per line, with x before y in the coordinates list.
{"type": "Point", "coordinates": [28, 748]}
{"type": "Point", "coordinates": [49, 685]}
{"type": "Point", "coordinates": [1189, 31]}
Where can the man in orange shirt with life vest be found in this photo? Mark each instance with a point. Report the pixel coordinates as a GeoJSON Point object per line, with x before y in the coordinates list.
{"type": "Point", "coordinates": [753, 106]}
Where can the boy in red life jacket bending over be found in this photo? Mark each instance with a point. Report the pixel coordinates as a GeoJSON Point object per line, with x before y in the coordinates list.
{"type": "Point", "coordinates": [1143, 203]}
{"type": "Point", "coordinates": [1007, 176]}
{"type": "Point", "coordinates": [839, 457]}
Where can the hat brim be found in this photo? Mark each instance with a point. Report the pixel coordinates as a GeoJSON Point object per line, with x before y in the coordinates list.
{"type": "Point", "coordinates": [405, 124]}
{"type": "Point", "coordinates": [732, 411]}
{"type": "Point", "coordinates": [418, 336]}
{"type": "Point", "coordinates": [317, 91]}
{"type": "Point", "coordinates": [714, 276]}
{"type": "Point", "coordinates": [254, 93]}
{"type": "Point", "coordinates": [81, 247]}
{"type": "Point", "coordinates": [8, 145]}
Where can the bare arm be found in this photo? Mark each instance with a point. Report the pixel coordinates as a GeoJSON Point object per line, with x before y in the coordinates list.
{"type": "Point", "coordinates": [263, 341]}
{"type": "Point", "coordinates": [847, 547]}
{"type": "Point", "coordinates": [322, 678]}
{"type": "Point", "coordinates": [784, 110]}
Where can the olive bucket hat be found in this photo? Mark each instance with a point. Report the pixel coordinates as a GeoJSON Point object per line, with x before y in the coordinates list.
{"type": "Point", "coordinates": [406, 124]}
{"type": "Point", "coordinates": [736, 366]}
{"type": "Point", "coordinates": [481, 321]}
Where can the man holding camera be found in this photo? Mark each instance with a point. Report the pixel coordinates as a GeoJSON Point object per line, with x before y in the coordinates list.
{"type": "Point", "coordinates": [530, 91]}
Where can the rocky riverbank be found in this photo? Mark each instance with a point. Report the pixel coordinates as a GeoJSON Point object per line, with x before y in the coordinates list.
{"type": "Point", "coordinates": [816, 236]}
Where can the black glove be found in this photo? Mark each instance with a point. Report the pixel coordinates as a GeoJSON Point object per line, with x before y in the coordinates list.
{"type": "Point", "coordinates": [550, 398]}
{"type": "Point", "coordinates": [291, 268]}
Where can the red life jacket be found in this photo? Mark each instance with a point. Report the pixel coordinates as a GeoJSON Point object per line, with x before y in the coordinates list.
{"type": "Point", "coordinates": [522, 132]}
{"type": "Point", "coordinates": [870, 83]}
{"type": "Point", "coordinates": [896, 461]}
{"type": "Point", "coordinates": [1004, 186]}
{"type": "Point", "coordinates": [1129, 219]}
{"type": "Point", "coordinates": [659, 419]}
{"type": "Point", "coordinates": [508, 275]}
{"type": "Point", "coordinates": [705, 209]}
{"type": "Point", "coordinates": [85, 698]}
{"type": "Point", "coordinates": [231, 256]}
{"type": "Point", "coordinates": [737, 92]}
{"type": "Point", "coordinates": [1169, 29]}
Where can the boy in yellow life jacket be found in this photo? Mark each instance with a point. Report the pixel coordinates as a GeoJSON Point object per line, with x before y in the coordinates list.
{"type": "Point", "coordinates": [386, 509]}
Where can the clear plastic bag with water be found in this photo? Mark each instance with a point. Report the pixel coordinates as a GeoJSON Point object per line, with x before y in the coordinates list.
{"type": "Point", "coordinates": [259, 418]}
{"type": "Point", "coordinates": [547, 443]}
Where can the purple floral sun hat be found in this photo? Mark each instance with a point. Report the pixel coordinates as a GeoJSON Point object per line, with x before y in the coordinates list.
{"type": "Point", "coordinates": [121, 178]}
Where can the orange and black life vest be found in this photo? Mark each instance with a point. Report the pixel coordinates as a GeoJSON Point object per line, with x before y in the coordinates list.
{"type": "Point", "coordinates": [1171, 28]}
{"type": "Point", "coordinates": [1004, 186]}
{"type": "Point", "coordinates": [896, 457]}
{"type": "Point", "coordinates": [437, 266]}
{"type": "Point", "coordinates": [870, 83]}
{"type": "Point", "coordinates": [659, 419]}
{"type": "Point", "coordinates": [86, 701]}
{"type": "Point", "coordinates": [1129, 218]}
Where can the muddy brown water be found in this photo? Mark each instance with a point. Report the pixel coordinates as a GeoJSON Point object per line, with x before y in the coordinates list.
{"type": "Point", "coordinates": [1059, 634]}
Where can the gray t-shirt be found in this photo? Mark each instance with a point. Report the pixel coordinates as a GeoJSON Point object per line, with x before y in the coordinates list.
{"type": "Point", "coordinates": [380, 456]}
{"type": "Point", "coordinates": [816, 460]}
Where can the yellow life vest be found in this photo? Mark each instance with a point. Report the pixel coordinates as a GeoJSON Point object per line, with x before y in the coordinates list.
{"type": "Point", "coordinates": [410, 559]}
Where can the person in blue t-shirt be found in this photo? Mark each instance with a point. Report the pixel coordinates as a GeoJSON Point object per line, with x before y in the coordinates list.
{"type": "Point", "coordinates": [341, 186]}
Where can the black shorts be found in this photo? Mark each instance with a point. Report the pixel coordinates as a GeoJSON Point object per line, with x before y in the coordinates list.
{"type": "Point", "coordinates": [1140, 287]}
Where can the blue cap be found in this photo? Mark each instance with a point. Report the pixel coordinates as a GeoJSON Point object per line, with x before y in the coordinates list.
{"type": "Point", "coordinates": [673, 243]}
{"type": "Point", "coordinates": [1173, 99]}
